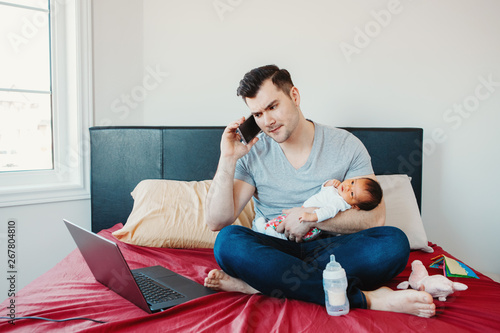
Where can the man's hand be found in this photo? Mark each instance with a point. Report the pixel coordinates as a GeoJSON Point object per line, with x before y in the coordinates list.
{"type": "Point", "coordinates": [230, 145]}
{"type": "Point", "coordinates": [293, 229]}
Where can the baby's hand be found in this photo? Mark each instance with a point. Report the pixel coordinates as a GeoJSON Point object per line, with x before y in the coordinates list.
{"type": "Point", "coordinates": [308, 217]}
{"type": "Point", "coordinates": [333, 182]}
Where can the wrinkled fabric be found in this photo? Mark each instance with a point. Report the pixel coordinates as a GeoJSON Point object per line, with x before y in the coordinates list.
{"type": "Point", "coordinates": [70, 290]}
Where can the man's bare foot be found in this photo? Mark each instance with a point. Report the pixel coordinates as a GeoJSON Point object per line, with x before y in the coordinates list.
{"type": "Point", "coordinates": [219, 280]}
{"type": "Point", "coordinates": [418, 303]}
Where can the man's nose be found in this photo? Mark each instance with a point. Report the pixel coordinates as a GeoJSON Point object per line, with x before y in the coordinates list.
{"type": "Point", "coordinates": [268, 119]}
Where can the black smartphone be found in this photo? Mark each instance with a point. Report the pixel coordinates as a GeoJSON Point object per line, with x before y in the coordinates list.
{"type": "Point", "coordinates": [248, 130]}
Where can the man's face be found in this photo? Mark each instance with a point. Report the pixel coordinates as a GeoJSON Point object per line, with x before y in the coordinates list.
{"type": "Point", "coordinates": [276, 113]}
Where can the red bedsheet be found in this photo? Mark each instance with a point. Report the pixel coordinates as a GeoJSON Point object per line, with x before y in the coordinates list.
{"type": "Point", "coordinates": [69, 290]}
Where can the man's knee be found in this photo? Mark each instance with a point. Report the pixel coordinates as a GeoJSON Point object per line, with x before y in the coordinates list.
{"type": "Point", "coordinates": [231, 248]}
{"type": "Point", "coordinates": [228, 233]}
{"type": "Point", "coordinates": [387, 257]}
{"type": "Point", "coordinates": [226, 240]}
{"type": "Point", "coordinates": [398, 240]}
{"type": "Point", "coordinates": [391, 246]}
{"type": "Point", "coordinates": [397, 246]}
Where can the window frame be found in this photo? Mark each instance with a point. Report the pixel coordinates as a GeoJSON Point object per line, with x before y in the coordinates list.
{"type": "Point", "coordinates": [71, 45]}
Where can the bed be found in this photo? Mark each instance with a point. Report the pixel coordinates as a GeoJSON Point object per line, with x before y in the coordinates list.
{"type": "Point", "coordinates": [177, 163]}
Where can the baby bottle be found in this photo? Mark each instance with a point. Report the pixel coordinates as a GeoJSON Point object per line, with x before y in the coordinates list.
{"type": "Point", "coordinates": [335, 285]}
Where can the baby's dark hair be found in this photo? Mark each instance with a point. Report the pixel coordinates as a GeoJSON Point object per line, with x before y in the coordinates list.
{"type": "Point", "coordinates": [252, 81]}
{"type": "Point", "coordinates": [374, 194]}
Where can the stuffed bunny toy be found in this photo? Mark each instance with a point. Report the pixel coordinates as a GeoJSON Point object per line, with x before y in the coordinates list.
{"type": "Point", "coordinates": [438, 286]}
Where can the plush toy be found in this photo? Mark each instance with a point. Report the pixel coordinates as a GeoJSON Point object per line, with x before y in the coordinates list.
{"type": "Point", "coordinates": [438, 286]}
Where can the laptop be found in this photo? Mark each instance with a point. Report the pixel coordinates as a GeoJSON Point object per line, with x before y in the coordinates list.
{"type": "Point", "coordinates": [153, 289]}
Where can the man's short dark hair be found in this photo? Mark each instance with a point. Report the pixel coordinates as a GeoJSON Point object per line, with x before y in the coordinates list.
{"type": "Point", "coordinates": [252, 81]}
{"type": "Point", "coordinates": [374, 194]}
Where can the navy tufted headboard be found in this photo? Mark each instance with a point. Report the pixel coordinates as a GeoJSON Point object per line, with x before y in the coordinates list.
{"type": "Point", "coordinates": [123, 156]}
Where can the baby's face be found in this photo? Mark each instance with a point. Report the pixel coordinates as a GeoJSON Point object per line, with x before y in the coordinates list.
{"type": "Point", "coordinates": [353, 191]}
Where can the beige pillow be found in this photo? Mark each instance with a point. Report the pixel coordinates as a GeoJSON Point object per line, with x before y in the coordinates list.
{"type": "Point", "coordinates": [169, 213]}
{"type": "Point", "coordinates": [402, 210]}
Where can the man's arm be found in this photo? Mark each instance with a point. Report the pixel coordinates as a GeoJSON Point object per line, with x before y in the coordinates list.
{"type": "Point", "coordinates": [353, 220]}
{"type": "Point", "coordinates": [227, 197]}
{"type": "Point", "coordinates": [347, 222]}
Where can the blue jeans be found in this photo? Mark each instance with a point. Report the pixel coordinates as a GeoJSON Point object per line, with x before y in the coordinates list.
{"type": "Point", "coordinates": [281, 268]}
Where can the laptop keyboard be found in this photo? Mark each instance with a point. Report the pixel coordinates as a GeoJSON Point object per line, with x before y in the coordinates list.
{"type": "Point", "coordinates": [153, 292]}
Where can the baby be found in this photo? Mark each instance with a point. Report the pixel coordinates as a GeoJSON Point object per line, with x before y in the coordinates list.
{"type": "Point", "coordinates": [334, 197]}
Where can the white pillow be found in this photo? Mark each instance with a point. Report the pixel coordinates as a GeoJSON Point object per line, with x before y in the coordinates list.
{"type": "Point", "coordinates": [402, 210]}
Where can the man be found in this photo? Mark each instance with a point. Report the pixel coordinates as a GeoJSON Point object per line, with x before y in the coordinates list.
{"type": "Point", "coordinates": [281, 168]}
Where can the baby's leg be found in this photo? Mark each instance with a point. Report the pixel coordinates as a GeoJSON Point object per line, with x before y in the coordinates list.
{"type": "Point", "coordinates": [271, 225]}
{"type": "Point", "coordinates": [311, 234]}
{"type": "Point", "coordinates": [259, 225]}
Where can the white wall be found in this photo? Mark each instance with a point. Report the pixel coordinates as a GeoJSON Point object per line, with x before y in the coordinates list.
{"type": "Point", "coordinates": [42, 239]}
{"type": "Point", "coordinates": [166, 62]}
{"type": "Point", "coordinates": [118, 62]}
{"type": "Point", "coordinates": [421, 61]}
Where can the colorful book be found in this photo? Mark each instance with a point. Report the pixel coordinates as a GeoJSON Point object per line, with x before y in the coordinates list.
{"type": "Point", "coordinates": [452, 267]}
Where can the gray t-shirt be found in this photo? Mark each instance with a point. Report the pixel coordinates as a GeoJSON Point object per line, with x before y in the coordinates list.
{"type": "Point", "coordinates": [336, 154]}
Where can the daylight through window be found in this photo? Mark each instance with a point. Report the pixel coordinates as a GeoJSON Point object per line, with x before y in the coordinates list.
{"type": "Point", "coordinates": [26, 135]}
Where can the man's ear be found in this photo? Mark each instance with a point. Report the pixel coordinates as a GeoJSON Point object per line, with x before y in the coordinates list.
{"type": "Point", "coordinates": [295, 96]}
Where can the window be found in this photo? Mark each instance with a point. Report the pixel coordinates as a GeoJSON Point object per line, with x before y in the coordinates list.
{"type": "Point", "coordinates": [45, 100]}
{"type": "Point", "coordinates": [25, 87]}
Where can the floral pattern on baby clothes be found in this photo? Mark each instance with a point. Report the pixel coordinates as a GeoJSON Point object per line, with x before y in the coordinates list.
{"type": "Point", "coordinates": [274, 223]}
